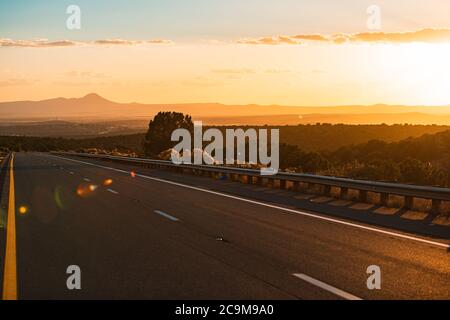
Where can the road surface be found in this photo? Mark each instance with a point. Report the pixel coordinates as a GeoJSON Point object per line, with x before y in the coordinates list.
{"type": "Point", "coordinates": [137, 236]}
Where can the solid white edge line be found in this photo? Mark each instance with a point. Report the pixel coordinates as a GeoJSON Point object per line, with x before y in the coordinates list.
{"type": "Point", "coordinates": [165, 215]}
{"type": "Point", "coordinates": [327, 287]}
{"type": "Point", "coordinates": [315, 216]}
{"type": "Point", "coordinates": [112, 191]}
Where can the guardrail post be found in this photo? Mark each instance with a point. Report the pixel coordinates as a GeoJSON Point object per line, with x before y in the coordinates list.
{"type": "Point", "coordinates": [282, 184]}
{"type": "Point", "coordinates": [296, 186]}
{"type": "Point", "coordinates": [259, 180]}
{"type": "Point", "coordinates": [249, 179]}
{"type": "Point", "coordinates": [343, 193]}
{"type": "Point", "coordinates": [384, 199]}
{"type": "Point", "coordinates": [436, 206]}
{"type": "Point", "coordinates": [409, 202]}
{"type": "Point", "coordinates": [362, 195]}
{"type": "Point", "coordinates": [309, 187]}
{"type": "Point", "coordinates": [326, 190]}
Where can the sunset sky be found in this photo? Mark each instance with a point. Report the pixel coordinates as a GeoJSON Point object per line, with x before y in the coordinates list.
{"type": "Point", "coordinates": [287, 52]}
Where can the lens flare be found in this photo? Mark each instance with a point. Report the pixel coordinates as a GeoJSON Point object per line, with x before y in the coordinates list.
{"type": "Point", "coordinates": [86, 190]}
{"type": "Point", "coordinates": [107, 182]}
{"type": "Point", "coordinates": [61, 198]}
{"type": "Point", "coordinates": [23, 210]}
{"type": "Point", "coordinates": [80, 191]}
{"type": "Point", "coordinates": [133, 174]}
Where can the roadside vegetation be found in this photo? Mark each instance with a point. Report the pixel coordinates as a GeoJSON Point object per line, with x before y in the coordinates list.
{"type": "Point", "coordinates": [423, 160]}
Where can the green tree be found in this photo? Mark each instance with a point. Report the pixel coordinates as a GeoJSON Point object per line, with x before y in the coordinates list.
{"type": "Point", "coordinates": [314, 162]}
{"type": "Point", "coordinates": [415, 171]}
{"type": "Point", "coordinates": [290, 156]}
{"type": "Point", "coordinates": [158, 137]}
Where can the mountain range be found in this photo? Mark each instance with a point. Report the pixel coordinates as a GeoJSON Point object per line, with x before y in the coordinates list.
{"type": "Point", "coordinates": [92, 108]}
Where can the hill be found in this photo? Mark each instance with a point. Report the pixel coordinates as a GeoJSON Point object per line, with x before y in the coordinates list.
{"type": "Point", "coordinates": [94, 107]}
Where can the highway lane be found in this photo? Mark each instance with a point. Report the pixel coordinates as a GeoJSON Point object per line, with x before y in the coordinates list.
{"type": "Point", "coordinates": [135, 237]}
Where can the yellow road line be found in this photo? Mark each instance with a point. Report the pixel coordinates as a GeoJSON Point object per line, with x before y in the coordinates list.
{"type": "Point", "coordinates": [10, 272]}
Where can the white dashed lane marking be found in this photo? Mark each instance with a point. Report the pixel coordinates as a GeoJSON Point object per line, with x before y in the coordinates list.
{"type": "Point", "coordinates": [327, 287]}
{"type": "Point", "coordinates": [167, 216]}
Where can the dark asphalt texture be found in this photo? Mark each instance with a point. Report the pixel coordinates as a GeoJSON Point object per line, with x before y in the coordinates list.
{"type": "Point", "coordinates": [215, 247]}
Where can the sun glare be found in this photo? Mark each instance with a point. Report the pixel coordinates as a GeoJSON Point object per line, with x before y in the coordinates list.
{"type": "Point", "coordinates": [418, 73]}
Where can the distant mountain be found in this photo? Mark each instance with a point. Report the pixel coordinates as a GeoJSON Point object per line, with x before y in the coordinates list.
{"type": "Point", "coordinates": [93, 107]}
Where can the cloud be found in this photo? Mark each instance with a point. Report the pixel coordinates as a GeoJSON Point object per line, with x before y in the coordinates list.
{"type": "Point", "coordinates": [424, 35]}
{"type": "Point", "coordinates": [234, 71]}
{"type": "Point", "coordinates": [44, 43]}
{"type": "Point", "coordinates": [120, 42]}
{"type": "Point", "coordinates": [310, 37]}
{"type": "Point", "coordinates": [123, 42]}
{"type": "Point", "coordinates": [159, 41]}
{"type": "Point", "coordinates": [270, 40]}
{"type": "Point", "coordinates": [41, 43]}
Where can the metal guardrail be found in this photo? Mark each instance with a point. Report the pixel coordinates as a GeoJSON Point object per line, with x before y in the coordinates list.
{"type": "Point", "coordinates": [383, 188]}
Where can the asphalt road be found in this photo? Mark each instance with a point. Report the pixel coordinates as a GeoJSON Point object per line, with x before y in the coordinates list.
{"type": "Point", "coordinates": [135, 236]}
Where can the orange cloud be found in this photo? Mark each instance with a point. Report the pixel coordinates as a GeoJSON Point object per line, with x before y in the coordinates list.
{"type": "Point", "coordinates": [131, 42]}
{"type": "Point", "coordinates": [44, 43]}
{"type": "Point", "coordinates": [159, 41]}
{"type": "Point", "coordinates": [117, 42]}
{"type": "Point", "coordinates": [41, 43]}
{"type": "Point", "coordinates": [310, 37]}
{"type": "Point", "coordinates": [424, 35]}
{"type": "Point", "coordinates": [270, 40]}
{"type": "Point", "coordinates": [234, 71]}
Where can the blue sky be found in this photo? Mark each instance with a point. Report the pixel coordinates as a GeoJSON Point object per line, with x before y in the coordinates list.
{"type": "Point", "coordinates": [210, 19]}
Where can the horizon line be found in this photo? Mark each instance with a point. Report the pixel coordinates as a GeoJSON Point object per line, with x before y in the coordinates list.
{"type": "Point", "coordinates": [225, 104]}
